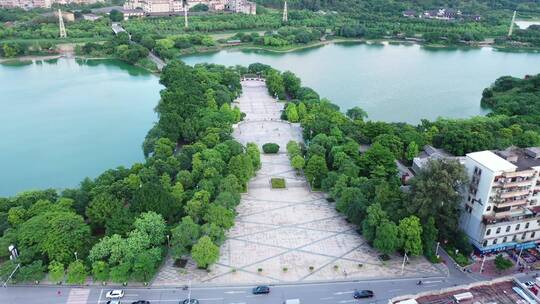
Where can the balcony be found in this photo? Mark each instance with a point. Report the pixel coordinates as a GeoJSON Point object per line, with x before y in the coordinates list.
{"type": "Point", "coordinates": [526, 173]}
{"type": "Point", "coordinates": [514, 193]}
{"type": "Point", "coordinates": [523, 183]}
{"type": "Point", "coordinates": [511, 203]}
{"type": "Point", "coordinates": [511, 216]}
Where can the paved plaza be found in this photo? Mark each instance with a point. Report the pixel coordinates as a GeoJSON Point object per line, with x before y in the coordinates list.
{"type": "Point", "coordinates": [292, 234]}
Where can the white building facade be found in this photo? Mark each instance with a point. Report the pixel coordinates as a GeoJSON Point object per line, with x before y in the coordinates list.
{"type": "Point", "coordinates": [501, 205]}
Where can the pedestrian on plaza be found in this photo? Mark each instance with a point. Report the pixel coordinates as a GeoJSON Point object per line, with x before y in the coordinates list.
{"type": "Point", "coordinates": [59, 293]}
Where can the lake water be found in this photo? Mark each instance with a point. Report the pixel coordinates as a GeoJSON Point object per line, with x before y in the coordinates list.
{"type": "Point", "coordinates": [393, 82]}
{"type": "Point", "coordinates": [64, 120]}
{"type": "Point", "coordinates": [523, 24]}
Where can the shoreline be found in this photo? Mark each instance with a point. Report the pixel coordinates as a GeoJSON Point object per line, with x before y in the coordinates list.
{"type": "Point", "coordinates": [294, 48]}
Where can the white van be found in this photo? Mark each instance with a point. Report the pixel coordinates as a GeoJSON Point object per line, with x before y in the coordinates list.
{"type": "Point", "coordinates": [292, 301]}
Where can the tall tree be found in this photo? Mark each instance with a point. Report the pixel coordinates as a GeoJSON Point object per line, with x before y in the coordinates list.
{"type": "Point", "coordinates": [316, 170]}
{"type": "Point", "coordinates": [375, 216]}
{"type": "Point", "coordinates": [205, 252]}
{"type": "Point", "coordinates": [410, 235]}
{"type": "Point", "coordinates": [386, 237]}
{"type": "Point", "coordinates": [436, 191]}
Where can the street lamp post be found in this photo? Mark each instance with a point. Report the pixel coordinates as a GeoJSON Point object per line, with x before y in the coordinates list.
{"type": "Point", "coordinates": [519, 256]}
{"type": "Point", "coordinates": [168, 241]}
{"type": "Point", "coordinates": [482, 266]}
{"type": "Point", "coordinates": [437, 250]}
{"type": "Point", "coordinates": [405, 258]}
{"type": "Point", "coordinates": [76, 259]}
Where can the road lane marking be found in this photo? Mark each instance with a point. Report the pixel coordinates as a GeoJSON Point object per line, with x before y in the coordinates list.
{"type": "Point", "coordinates": [211, 299]}
{"type": "Point", "coordinates": [394, 290]}
{"type": "Point", "coordinates": [343, 292]}
{"type": "Point", "coordinates": [327, 298]}
{"type": "Point", "coordinates": [100, 294]}
{"type": "Point", "coordinates": [347, 301]}
{"type": "Point", "coordinates": [234, 292]}
{"type": "Point", "coordinates": [78, 296]}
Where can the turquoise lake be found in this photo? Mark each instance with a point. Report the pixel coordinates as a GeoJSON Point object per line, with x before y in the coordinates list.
{"type": "Point", "coordinates": [67, 119]}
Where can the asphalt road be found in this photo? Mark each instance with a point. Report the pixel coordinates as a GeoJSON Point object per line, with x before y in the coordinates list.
{"type": "Point", "coordinates": [323, 293]}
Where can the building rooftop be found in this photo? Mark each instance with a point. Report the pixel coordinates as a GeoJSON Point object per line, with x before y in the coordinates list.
{"type": "Point", "coordinates": [492, 161]}
{"type": "Point", "coordinates": [497, 291]}
{"type": "Point", "coordinates": [522, 158]}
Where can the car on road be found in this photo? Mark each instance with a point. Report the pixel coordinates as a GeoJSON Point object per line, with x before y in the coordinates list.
{"type": "Point", "coordinates": [190, 301]}
{"type": "Point", "coordinates": [115, 294]}
{"type": "Point", "coordinates": [530, 284]}
{"type": "Point", "coordinates": [261, 290]}
{"type": "Point", "coordinates": [362, 294]}
{"type": "Point", "coordinates": [141, 302]}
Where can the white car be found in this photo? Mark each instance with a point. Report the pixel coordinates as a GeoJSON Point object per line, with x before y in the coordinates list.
{"type": "Point", "coordinates": [115, 294]}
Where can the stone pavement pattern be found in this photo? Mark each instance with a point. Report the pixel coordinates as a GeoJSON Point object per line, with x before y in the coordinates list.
{"type": "Point", "coordinates": [287, 235]}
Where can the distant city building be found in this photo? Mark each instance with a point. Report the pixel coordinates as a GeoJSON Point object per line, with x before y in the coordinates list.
{"type": "Point", "coordinates": [131, 13]}
{"type": "Point", "coordinates": [30, 4]}
{"type": "Point", "coordinates": [67, 16]}
{"type": "Point", "coordinates": [441, 14]}
{"type": "Point", "coordinates": [175, 6]}
{"type": "Point", "coordinates": [501, 205]}
{"type": "Point", "coordinates": [432, 153]}
{"type": "Point", "coordinates": [409, 13]}
{"type": "Point", "coordinates": [90, 17]}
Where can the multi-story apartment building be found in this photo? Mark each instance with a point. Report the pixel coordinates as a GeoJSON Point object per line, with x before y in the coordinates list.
{"type": "Point", "coordinates": [29, 4]}
{"type": "Point", "coordinates": [175, 6]}
{"type": "Point", "coordinates": [501, 207]}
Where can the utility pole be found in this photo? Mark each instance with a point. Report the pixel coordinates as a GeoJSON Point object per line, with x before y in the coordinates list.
{"type": "Point", "coordinates": [285, 13]}
{"type": "Point", "coordinates": [186, 8]}
{"type": "Point", "coordinates": [512, 25]}
{"type": "Point", "coordinates": [63, 33]}
{"type": "Point", "coordinates": [437, 250]}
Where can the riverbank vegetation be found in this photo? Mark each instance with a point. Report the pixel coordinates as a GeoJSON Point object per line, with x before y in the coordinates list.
{"type": "Point", "coordinates": [119, 226]}
{"type": "Point", "coordinates": [365, 185]}
{"type": "Point", "coordinates": [308, 21]}
{"type": "Point", "coordinates": [120, 47]}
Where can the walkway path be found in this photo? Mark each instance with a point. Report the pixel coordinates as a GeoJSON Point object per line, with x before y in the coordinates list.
{"type": "Point", "coordinates": [289, 235]}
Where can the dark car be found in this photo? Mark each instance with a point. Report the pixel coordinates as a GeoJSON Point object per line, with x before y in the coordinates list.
{"type": "Point", "coordinates": [190, 301]}
{"type": "Point", "coordinates": [361, 294]}
{"type": "Point", "coordinates": [261, 290]}
{"type": "Point", "coordinates": [141, 302]}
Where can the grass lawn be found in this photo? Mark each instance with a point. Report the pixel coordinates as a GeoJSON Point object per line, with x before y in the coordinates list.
{"type": "Point", "coordinates": [278, 183]}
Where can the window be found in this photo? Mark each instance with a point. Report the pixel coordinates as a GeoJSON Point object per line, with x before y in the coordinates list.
{"type": "Point", "coordinates": [527, 225]}
{"type": "Point", "coordinates": [514, 238]}
{"type": "Point", "coordinates": [498, 230]}
{"type": "Point", "coordinates": [517, 227]}
{"type": "Point", "coordinates": [507, 228]}
{"type": "Point", "coordinates": [523, 236]}
{"type": "Point", "coordinates": [532, 234]}
{"type": "Point", "coordinates": [494, 241]}
{"type": "Point", "coordinates": [488, 208]}
{"type": "Point", "coordinates": [504, 240]}
{"type": "Point", "coordinates": [488, 232]}
{"type": "Point", "coordinates": [484, 244]}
